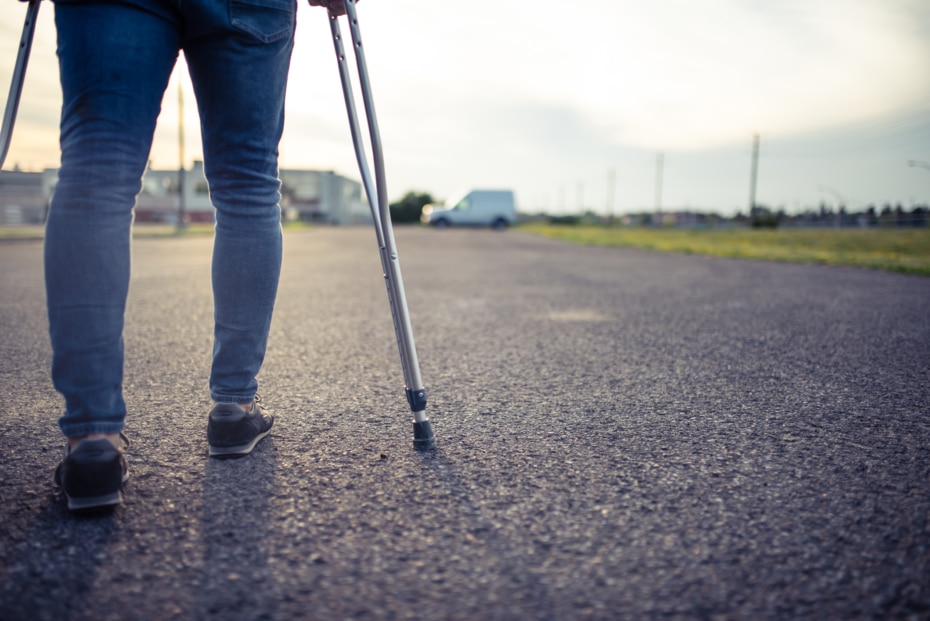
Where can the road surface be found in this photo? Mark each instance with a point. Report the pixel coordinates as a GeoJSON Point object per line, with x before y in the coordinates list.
{"type": "Point", "coordinates": [621, 435]}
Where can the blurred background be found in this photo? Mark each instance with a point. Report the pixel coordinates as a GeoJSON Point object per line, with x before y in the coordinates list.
{"type": "Point", "coordinates": [610, 107]}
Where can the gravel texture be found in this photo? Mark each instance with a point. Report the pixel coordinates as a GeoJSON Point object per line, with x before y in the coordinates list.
{"type": "Point", "coordinates": [620, 434]}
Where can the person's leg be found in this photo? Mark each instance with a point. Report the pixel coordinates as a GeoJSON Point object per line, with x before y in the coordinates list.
{"type": "Point", "coordinates": [239, 57]}
{"type": "Point", "coordinates": [115, 60]}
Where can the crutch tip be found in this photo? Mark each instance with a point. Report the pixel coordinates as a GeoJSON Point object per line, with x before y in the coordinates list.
{"type": "Point", "coordinates": [423, 439]}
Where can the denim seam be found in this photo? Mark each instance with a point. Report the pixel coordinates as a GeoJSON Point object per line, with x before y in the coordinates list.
{"type": "Point", "coordinates": [247, 26]}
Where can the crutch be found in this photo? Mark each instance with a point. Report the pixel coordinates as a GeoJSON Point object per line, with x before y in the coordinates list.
{"type": "Point", "coordinates": [19, 74]}
{"type": "Point", "coordinates": [380, 212]}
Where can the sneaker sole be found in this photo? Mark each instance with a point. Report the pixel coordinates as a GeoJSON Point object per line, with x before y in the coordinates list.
{"type": "Point", "coordinates": [228, 452]}
{"type": "Point", "coordinates": [95, 502]}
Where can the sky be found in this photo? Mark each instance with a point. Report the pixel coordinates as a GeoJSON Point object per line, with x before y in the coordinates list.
{"type": "Point", "coordinates": [570, 104]}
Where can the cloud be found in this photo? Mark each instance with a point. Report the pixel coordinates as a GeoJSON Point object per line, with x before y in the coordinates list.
{"type": "Point", "coordinates": [677, 74]}
{"type": "Point", "coordinates": [548, 96]}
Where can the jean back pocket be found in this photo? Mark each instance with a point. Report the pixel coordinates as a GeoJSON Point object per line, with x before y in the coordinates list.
{"type": "Point", "coordinates": [266, 20]}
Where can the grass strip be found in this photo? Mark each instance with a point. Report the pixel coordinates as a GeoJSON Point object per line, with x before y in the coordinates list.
{"type": "Point", "coordinates": [139, 231]}
{"type": "Point", "coordinates": [894, 250]}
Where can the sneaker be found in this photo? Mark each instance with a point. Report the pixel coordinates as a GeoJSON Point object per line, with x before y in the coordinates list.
{"type": "Point", "coordinates": [92, 474]}
{"type": "Point", "coordinates": [234, 431]}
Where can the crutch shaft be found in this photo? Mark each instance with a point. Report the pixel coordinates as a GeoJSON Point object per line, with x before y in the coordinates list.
{"type": "Point", "coordinates": [376, 190]}
{"type": "Point", "coordinates": [19, 75]}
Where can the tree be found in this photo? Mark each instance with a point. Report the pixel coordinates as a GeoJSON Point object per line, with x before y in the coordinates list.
{"type": "Point", "coordinates": [410, 206]}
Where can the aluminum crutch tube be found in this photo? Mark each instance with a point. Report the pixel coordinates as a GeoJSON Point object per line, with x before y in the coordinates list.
{"type": "Point", "coordinates": [19, 75]}
{"type": "Point", "coordinates": [376, 190]}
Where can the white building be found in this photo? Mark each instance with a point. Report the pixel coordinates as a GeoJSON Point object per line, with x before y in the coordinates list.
{"type": "Point", "coordinates": [322, 196]}
{"type": "Point", "coordinates": [24, 196]}
{"type": "Point", "coordinates": [308, 195]}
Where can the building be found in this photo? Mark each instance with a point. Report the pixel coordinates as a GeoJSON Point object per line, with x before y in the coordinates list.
{"type": "Point", "coordinates": [308, 195]}
{"type": "Point", "coordinates": [322, 196]}
{"type": "Point", "coordinates": [24, 196]}
{"type": "Point", "coordinates": [158, 199]}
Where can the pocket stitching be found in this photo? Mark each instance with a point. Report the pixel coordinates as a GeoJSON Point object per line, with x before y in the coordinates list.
{"type": "Point", "coordinates": [285, 7]}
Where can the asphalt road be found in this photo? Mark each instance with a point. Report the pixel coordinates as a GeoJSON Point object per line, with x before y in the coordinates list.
{"type": "Point", "coordinates": [621, 435]}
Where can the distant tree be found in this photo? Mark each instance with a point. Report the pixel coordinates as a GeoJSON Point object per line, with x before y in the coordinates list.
{"type": "Point", "coordinates": [919, 216]}
{"type": "Point", "coordinates": [570, 219]}
{"type": "Point", "coordinates": [764, 218]}
{"type": "Point", "coordinates": [410, 206]}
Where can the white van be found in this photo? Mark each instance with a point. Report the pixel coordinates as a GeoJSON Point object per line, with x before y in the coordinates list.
{"type": "Point", "coordinates": [494, 208]}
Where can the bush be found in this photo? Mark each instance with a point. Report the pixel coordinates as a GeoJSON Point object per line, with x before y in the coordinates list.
{"type": "Point", "coordinates": [565, 220]}
{"type": "Point", "coordinates": [409, 207]}
{"type": "Point", "coordinates": [763, 218]}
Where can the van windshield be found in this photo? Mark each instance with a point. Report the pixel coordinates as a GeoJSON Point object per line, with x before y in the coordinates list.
{"type": "Point", "coordinates": [457, 200]}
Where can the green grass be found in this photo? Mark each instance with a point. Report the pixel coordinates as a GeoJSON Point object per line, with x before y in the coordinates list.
{"type": "Point", "coordinates": [169, 230]}
{"type": "Point", "coordinates": [896, 250]}
{"type": "Point", "coordinates": [21, 232]}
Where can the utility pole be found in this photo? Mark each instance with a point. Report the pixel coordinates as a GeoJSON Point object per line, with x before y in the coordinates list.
{"type": "Point", "coordinates": [753, 173]}
{"type": "Point", "coordinates": [660, 164]}
{"type": "Point", "coordinates": [182, 207]}
{"type": "Point", "coordinates": [611, 183]}
{"type": "Point", "coordinates": [581, 198]}
{"type": "Point", "coordinates": [840, 203]}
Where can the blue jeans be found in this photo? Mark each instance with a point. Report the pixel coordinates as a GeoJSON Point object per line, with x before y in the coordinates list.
{"type": "Point", "coordinates": [115, 58]}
